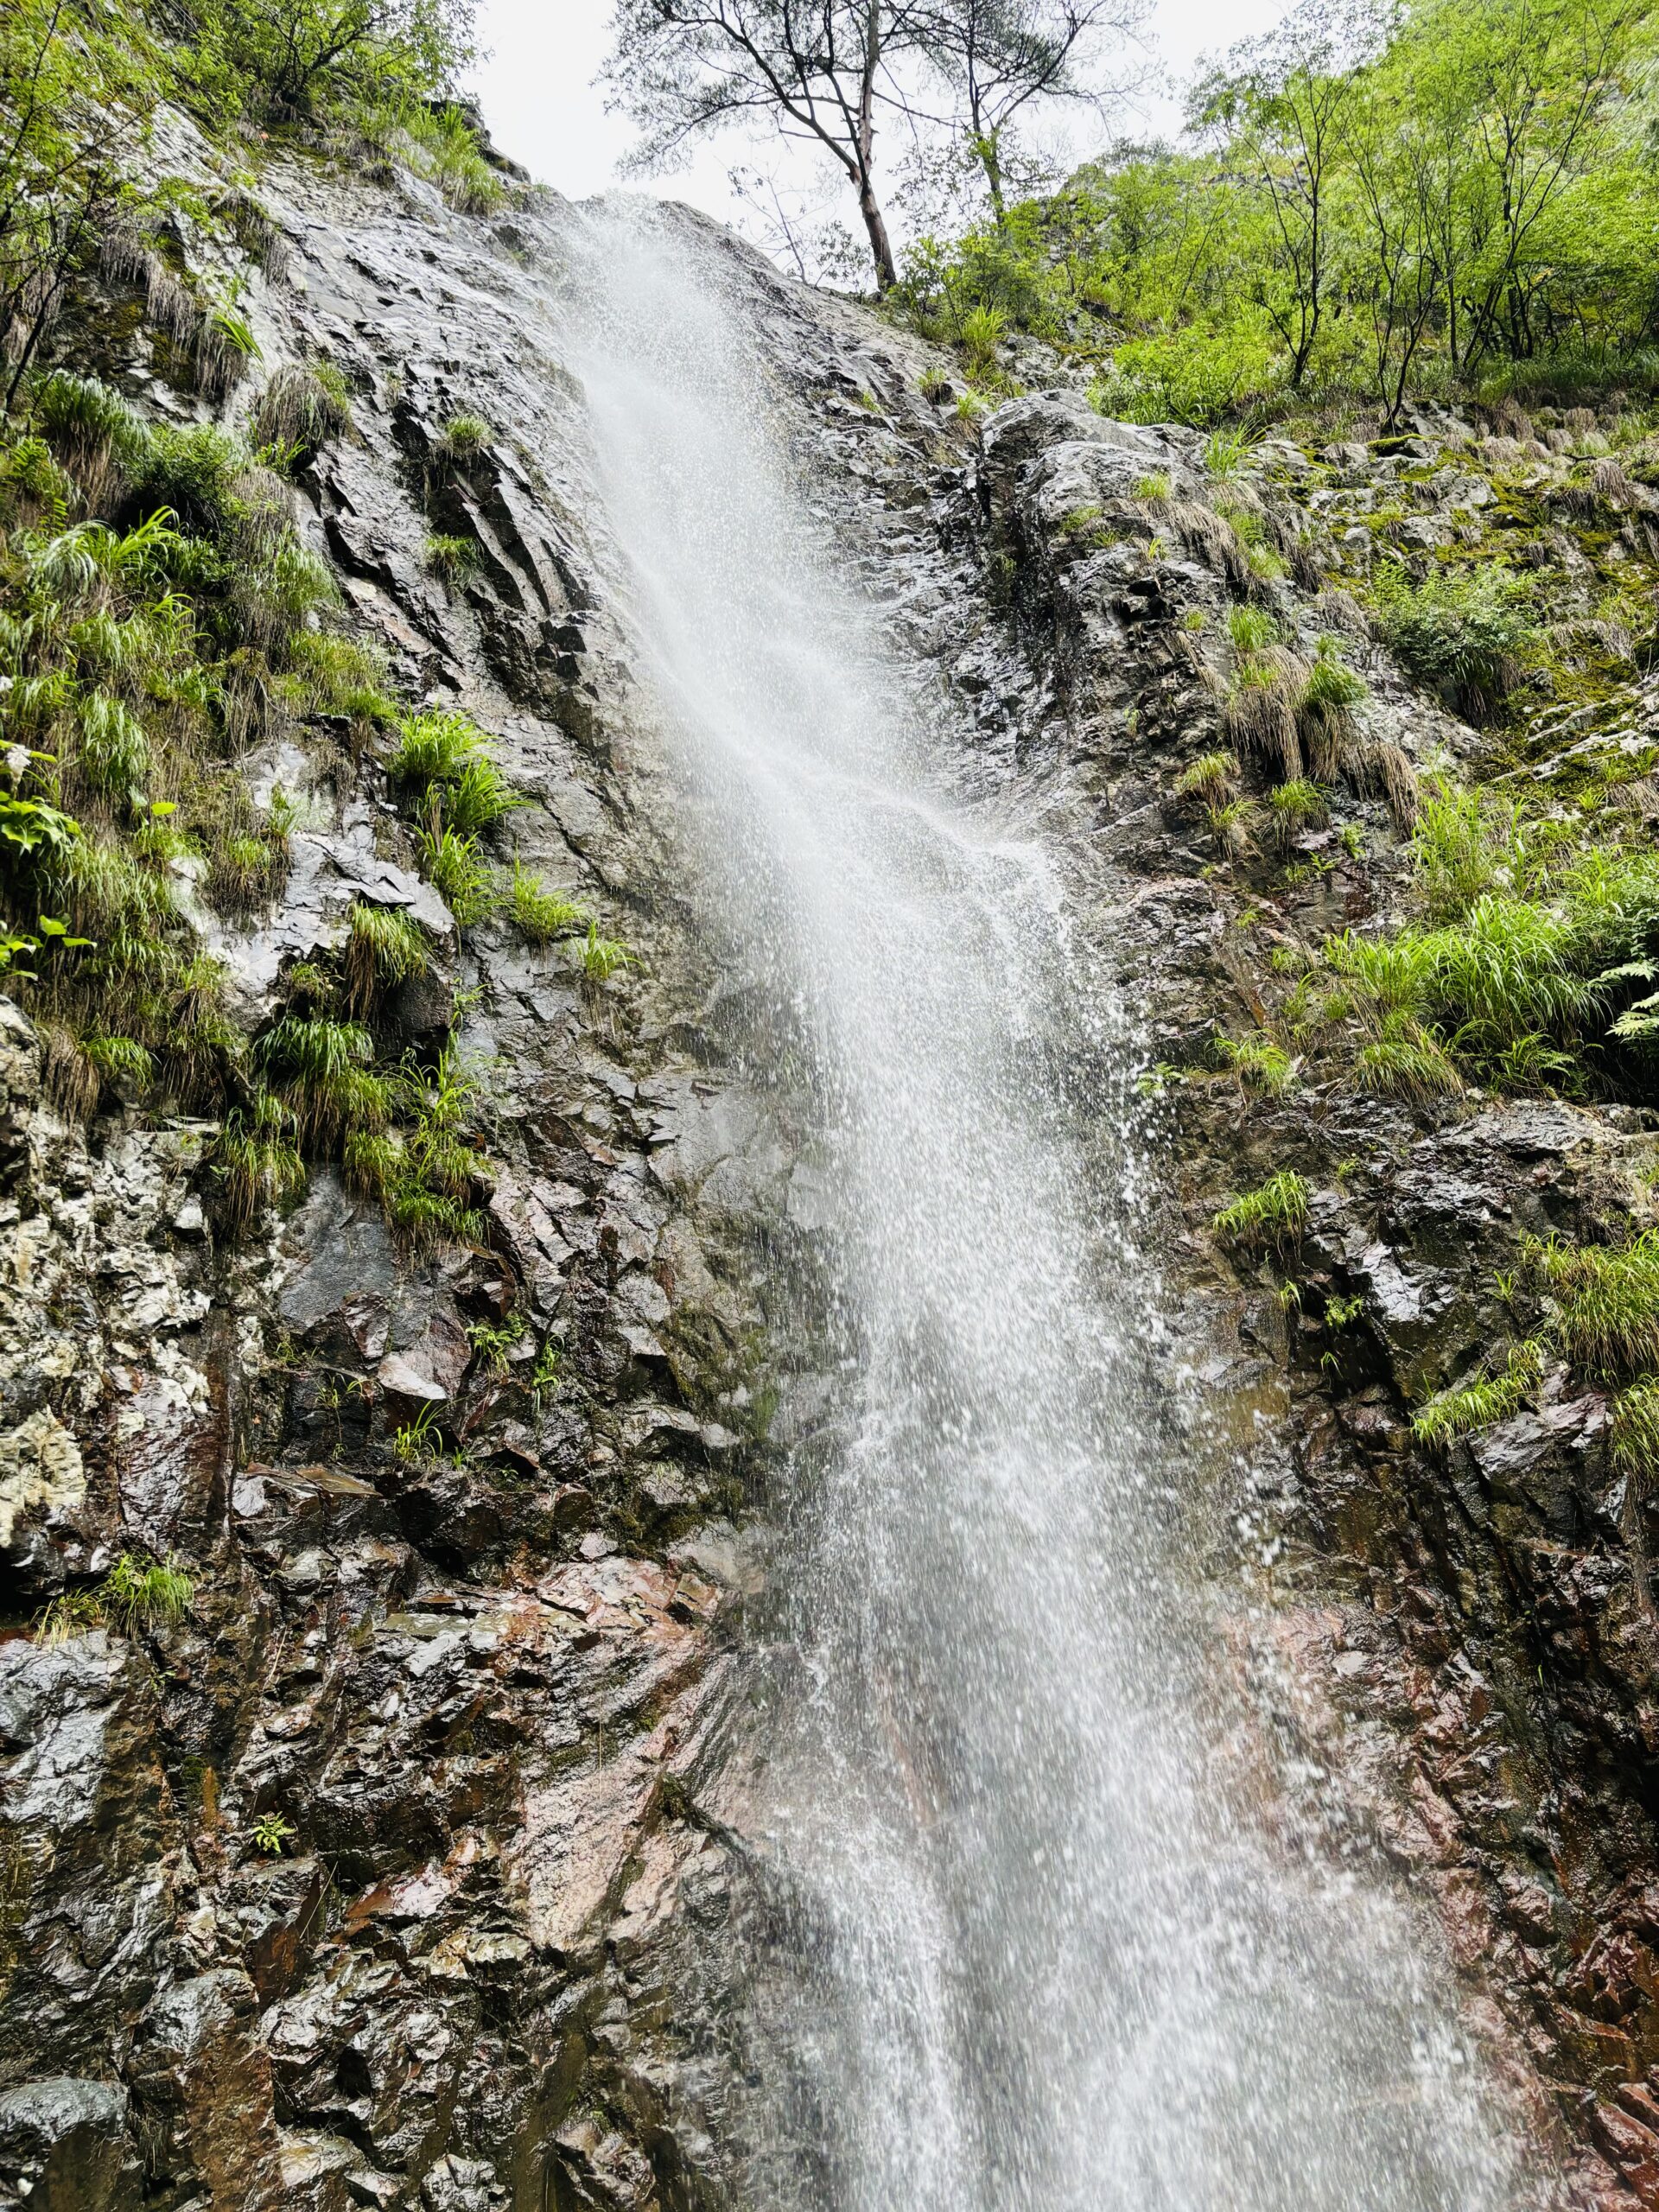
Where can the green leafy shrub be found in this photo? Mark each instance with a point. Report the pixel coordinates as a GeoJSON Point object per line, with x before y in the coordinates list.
{"type": "Point", "coordinates": [1462, 631]}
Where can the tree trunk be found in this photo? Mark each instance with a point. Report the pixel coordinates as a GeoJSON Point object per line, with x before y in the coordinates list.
{"type": "Point", "coordinates": [886, 270]}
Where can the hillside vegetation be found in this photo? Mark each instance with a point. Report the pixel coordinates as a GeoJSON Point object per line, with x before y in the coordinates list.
{"type": "Point", "coordinates": [1372, 206]}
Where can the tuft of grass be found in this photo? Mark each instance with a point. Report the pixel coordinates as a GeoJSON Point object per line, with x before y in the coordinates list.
{"type": "Point", "coordinates": [1475, 1405]}
{"type": "Point", "coordinates": [1294, 807]}
{"type": "Point", "coordinates": [1251, 629]}
{"type": "Point", "coordinates": [1604, 1302]}
{"type": "Point", "coordinates": [1634, 1436]}
{"type": "Point", "coordinates": [384, 946]}
{"type": "Point", "coordinates": [463, 437]}
{"type": "Point", "coordinates": [450, 558]}
{"type": "Point", "coordinates": [1227, 454]}
{"type": "Point", "coordinates": [146, 1593]}
{"type": "Point", "coordinates": [1402, 1060]}
{"type": "Point", "coordinates": [1153, 487]}
{"type": "Point", "coordinates": [1208, 776]}
{"type": "Point", "coordinates": [1259, 1063]}
{"type": "Point", "coordinates": [303, 408]}
{"type": "Point", "coordinates": [257, 1161]}
{"type": "Point", "coordinates": [602, 957]}
{"type": "Point", "coordinates": [457, 873]}
{"type": "Point", "coordinates": [1274, 1213]}
{"type": "Point", "coordinates": [539, 915]}
{"type": "Point", "coordinates": [320, 1068]}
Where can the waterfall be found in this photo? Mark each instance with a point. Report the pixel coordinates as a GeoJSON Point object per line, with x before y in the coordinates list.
{"type": "Point", "coordinates": [1044, 1960]}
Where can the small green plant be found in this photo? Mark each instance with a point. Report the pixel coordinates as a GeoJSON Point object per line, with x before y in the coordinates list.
{"type": "Point", "coordinates": [1227, 454]}
{"type": "Point", "coordinates": [463, 436]}
{"type": "Point", "coordinates": [145, 1594]}
{"type": "Point", "coordinates": [457, 873]}
{"type": "Point", "coordinates": [1153, 488]}
{"type": "Point", "coordinates": [983, 329]}
{"type": "Point", "coordinates": [418, 1441]}
{"type": "Point", "coordinates": [1605, 1301]}
{"type": "Point", "coordinates": [1294, 808]}
{"type": "Point", "coordinates": [1343, 1313]}
{"type": "Point", "coordinates": [493, 1340]}
{"type": "Point", "coordinates": [1210, 775]}
{"type": "Point", "coordinates": [1474, 1405]}
{"type": "Point", "coordinates": [602, 957]}
{"type": "Point", "coordinates": [1634, 1436]}
{"type": "Point", "coordinates": [1462, 631]}
{"type": "Point", "coordinates": [934, 386]}
{"type": "Point", "coordinates": [271, 1833]}
{"type": "Point", "coordinates": [1251, 629]}
{"type": "Point", "coordinates": [540, 915]}
{"type": "Point", "coordinates": [1259, 1063]}
{"type": "Point", "coordinates": [1274, 1213]}
{"type": "Point", "coordinates": [384, 946]}
{"type": "Point", "coordinates": [450, 558]}
{"type": "Point", "coordinates": [545, 1376]}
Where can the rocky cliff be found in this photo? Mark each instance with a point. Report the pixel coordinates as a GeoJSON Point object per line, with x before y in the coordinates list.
{"type": "Point", "coordinates": [400, 1867]}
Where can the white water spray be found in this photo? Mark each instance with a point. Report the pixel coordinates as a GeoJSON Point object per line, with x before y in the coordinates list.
{"type": "Point", "coordinates": [1041, 1963]}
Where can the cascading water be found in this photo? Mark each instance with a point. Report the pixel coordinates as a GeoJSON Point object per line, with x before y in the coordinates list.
{"type": "Point", "coordinates": [1043, 1962]}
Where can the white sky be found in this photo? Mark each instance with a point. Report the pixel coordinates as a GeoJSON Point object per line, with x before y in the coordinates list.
{"type": "Point", "coordinates": [538, 96]}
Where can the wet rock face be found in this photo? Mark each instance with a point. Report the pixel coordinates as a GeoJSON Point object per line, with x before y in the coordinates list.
{"type": "Point", "coordinates": [367, 1881]}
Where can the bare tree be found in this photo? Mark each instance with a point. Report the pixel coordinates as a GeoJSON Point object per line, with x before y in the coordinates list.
{"type": "Point", "coordinates": [816, 68]}
{"type": "Point", "coordinates": [999, 57]}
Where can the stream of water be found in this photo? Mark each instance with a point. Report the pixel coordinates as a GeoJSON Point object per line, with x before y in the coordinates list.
{"type": "Point", "coordinates": [1044, 1964]}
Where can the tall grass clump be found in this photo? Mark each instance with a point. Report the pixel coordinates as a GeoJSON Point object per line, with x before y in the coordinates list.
{"type": "Point", "coordinates": [1274, 1213]}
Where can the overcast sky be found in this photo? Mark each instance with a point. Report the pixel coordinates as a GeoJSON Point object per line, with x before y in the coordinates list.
{"type": "Point", "coordinates": [537, 93]}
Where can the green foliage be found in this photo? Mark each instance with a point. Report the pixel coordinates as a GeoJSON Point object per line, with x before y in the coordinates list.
{"type": "Point", "coordinates": [257, 1158]}
{"type": "Point", "coordinates": [463, 437]}
{"type": "Point", "coordinates": [384, 946]}
{"type": "Point", "coordinates": [603, 957]}
{"type": "Point", "coordinates": [458, 872]}
{"type": "Point", "coordinates": [1274, 1213]}
{"type": "Point", "coordinates": [1462, 632]}
{"type": "Point", "coordinates": [1452, 198]}
{"type": "Point", "coordinates": [423, 1173]}
{"type": "Point", "coordinates": [146, 1593]}
{"type": "Point", "coordinates": [1634, 1436]}
{"type": "Point", "coordinates": [1475, 1405]}
{"type": "Point", "coordinates": [492, 1341]}
{"type": "Point", "coordinates": [278, 62]}
{"type": "Point", "coordinates": [1210, 775]}
{"type": "Point", "coordinates": [271, 1833]}
{"type": "Point", "coordinates": [1259, 1063]}
{"type": "Point", "coordinates": [321, 1069]}
{"type": "Point", "coordinates": [540, 915]}
{"type": "Point", "coordinates": [1604, 1302]}
{"type": "Point", "coordinates": [302, 407]}
{"type": "Point", "coordinates": [450, 558]}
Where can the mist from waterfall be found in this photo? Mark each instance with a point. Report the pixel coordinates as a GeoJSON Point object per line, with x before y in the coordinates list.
{"type": "Point", "coordinates": [1042, 1961]}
